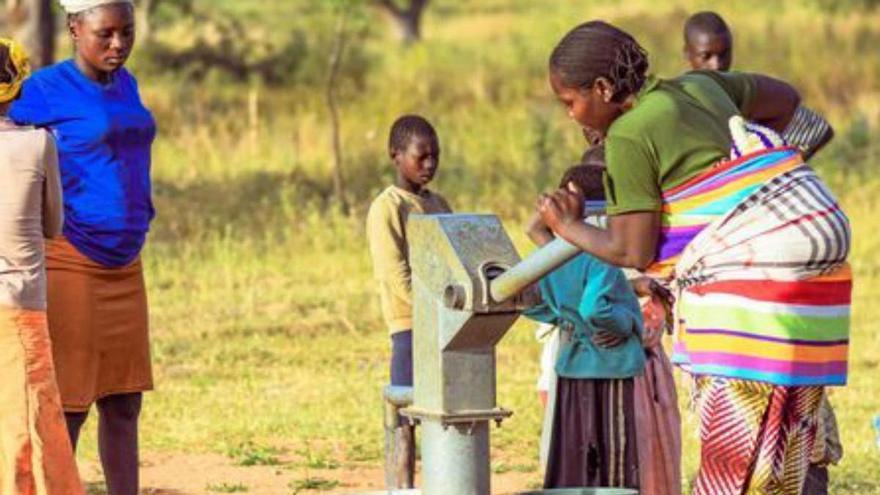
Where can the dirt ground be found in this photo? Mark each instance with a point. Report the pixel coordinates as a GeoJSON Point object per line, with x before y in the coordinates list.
{"type": "Point", "coordinates": [206, 474]}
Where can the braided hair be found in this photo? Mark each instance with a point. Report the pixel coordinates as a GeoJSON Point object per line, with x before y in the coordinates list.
{"type": "Point", "coordinates": [407, 127]}
{"type": "Point", "coordinates": [8, 71]}
{"type": "Point", "coordinates": [597, 49]}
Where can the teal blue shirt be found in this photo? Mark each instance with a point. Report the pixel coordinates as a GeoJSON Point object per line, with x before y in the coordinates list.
{"type": "Point", "coordinates": [584, 296]}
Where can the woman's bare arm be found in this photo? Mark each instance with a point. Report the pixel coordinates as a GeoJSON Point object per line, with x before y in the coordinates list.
{"type": "Point", "coordinates": [774, 103]}
{"type": "Point", "coordinates": [630, 239]}
{"type": "Point", "coordinates": [53, 207]}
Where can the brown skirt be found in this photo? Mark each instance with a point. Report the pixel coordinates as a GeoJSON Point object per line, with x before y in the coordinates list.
{"type": "Point", "coordinates": [99, 327]}
{"type": "Point", "coordinates": [35, 453]}
{"type": "Point", "coordinates": [594, 435]}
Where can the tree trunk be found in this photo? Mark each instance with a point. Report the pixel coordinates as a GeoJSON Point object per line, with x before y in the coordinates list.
{"type": "Point", "coordinates": [33, 24]}
{"type": "Point", "coordinates": [407, 21]}
{"type": "Point", "coordinates": [144, 14]}
{"type": "Point", "coordinates": [335, 63]}
{"type": "Point", "coordinates": [408, 28]}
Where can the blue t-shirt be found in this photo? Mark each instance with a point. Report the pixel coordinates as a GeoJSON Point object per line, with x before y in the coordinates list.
{"type": "Point", "coordinates": [585, 296]}
{"type": "Point", "coordinates": [104, 134]}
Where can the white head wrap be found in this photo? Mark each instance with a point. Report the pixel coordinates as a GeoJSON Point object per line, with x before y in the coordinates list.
{"type": "Point", "coordinates": [77, 6]}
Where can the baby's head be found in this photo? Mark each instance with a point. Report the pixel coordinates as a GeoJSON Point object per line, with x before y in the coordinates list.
{"type": "Point", "coordinates": [749, 137]}
{"type": "Point", "coordinates": [415, 151]}
{"type": "Point", "coordinates": [708, 43]}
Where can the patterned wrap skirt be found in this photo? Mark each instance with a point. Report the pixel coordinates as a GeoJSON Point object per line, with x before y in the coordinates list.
{"type": "Point", "coordinates": [754, 437]}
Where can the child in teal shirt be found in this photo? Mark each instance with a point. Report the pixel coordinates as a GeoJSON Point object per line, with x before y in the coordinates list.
{"type": "Point", "coordinates": [593, 439]}
{"type": "Point", "coordinates": [586, 297]}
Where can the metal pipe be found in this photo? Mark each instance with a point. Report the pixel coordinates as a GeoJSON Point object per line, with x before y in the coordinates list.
{"type": "Point", "coordinates": [400, 458]}
{"type": "Point", "coordinates": [532, 268]}
{"type": "Point", "coordinates": [455, 458]}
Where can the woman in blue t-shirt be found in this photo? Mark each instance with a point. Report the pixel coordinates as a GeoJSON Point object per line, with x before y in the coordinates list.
{"type": "Point", "coordinates": [97, 304]}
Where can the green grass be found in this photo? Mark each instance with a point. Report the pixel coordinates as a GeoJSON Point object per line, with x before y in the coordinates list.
{"type": "Point", "coordinates": [227, 487]}
{"type": "Point", "coordinates": [319, 484]}
{"type": "Point", "coordinates": [96, 489]}
{"type": "Point", "coordinates": [501, 467]}
{"type": "Point", "coordinates": [312, 459]}
{"type": "Point", "coordinates": [267, 338]}
{"type": "Point", "coordinates": [249, 454]}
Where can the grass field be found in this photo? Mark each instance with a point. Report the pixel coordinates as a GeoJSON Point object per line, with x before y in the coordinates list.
{"type": "Point", "coordinates": [267, 340]}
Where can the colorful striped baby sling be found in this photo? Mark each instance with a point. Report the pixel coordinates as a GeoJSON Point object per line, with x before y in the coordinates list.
{"type": "Point", "coordinates": [757, 249]}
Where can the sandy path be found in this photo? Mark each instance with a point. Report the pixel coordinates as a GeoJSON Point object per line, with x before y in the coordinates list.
{"type": "Point", "coordinates": [205, 474]}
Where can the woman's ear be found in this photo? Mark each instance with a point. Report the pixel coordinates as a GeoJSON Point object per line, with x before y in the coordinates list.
{"type": "Point", "coordinates": [604, 89]}
{"type": "Point", "coordinates": [71, 27]}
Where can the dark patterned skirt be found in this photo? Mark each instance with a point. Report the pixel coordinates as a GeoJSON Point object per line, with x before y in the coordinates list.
{"type": "Point", "coordinates": [593, 442]}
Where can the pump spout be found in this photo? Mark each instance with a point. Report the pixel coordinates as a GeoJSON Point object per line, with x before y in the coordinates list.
{"type": "Point", "coordinates": [528, 271]}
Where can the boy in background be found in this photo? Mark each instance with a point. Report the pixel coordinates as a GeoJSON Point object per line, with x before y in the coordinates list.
{"type": "Point", "coordinates": [415, 153]}
{"type": "Point", "coordinates": [708, 45]}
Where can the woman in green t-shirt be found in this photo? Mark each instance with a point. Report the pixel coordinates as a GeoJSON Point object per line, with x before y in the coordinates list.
{"type": "Point", "coordinates": [755, 246]}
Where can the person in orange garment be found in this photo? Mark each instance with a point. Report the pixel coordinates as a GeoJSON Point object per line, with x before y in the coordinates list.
{"type": "Point", "coordinates": [36, 457]}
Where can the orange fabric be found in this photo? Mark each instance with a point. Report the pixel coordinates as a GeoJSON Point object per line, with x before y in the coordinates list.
{"type": "Point", "coordinates": [98, 324]}
{"type": "Point", "coordinates": [35, 453]}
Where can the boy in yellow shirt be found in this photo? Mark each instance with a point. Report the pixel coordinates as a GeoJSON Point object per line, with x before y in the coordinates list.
{"type": "Point", "coordinates": [415, 152]}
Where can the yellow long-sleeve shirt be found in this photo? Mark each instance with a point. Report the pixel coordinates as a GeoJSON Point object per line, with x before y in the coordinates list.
{"type": "Point", "coordinates": [386, 235]}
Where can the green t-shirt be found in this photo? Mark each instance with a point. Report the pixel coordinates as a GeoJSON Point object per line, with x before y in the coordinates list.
{"type": "Point", "coordinates": [675, 130]}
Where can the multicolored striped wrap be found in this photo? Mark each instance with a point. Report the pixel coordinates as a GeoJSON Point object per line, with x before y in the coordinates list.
{"type": "Point", "coordinates": [757, 249]}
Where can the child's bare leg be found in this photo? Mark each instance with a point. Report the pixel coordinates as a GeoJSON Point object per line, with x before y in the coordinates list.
{"type": "Point", "coordinates": [75, 421]}
{"type": "Point", "coordinates": [817, 480]}
{"type": "Point", "coordinates": [118, 442]}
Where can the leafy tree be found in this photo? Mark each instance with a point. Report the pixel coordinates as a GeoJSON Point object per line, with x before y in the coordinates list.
{"type": "Point", "coordinates": [407, 18]}
{"type": "Point", "coordinates": [33, 23]}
